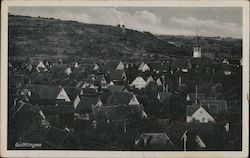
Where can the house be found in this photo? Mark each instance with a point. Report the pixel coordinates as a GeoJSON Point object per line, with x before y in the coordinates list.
{"type": "Point", "coordinates": [117, 75]}
{"type": "Point", "coordinates": [144, 67]}
{"type": "Point", "coordinates": [96, 80]}
{"type": "Point", "coordinates": [150, 79]}
{"type": "Point", "coordinates": [215, 106]}
{"type": "Point", "coordinates": [74, 94]}
{"type": "Point", "coordinates": [154, 141]}
{"type": "Point", "coordinates": [86, 84]}
{"type": "Point", "coordinates": [123, 98]}
{"type": "Point", "coordinates": [195, 113]}
{"type": "Point", "coordinates": [57, 138]}
{"type": "Point", "coordinates": [113, 65]}
{"type": "Point", "coordinates": [48, 93]}
{"type": "Point", "coordinates": [139, 83]}
{"type": "Point", "coordinates": [193, 97]}
{"type": "Point", "coordinates": [84, 108]}
{"type": "Point", "coordinates": [182, 64]}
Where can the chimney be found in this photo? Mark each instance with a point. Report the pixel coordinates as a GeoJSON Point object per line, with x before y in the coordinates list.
{"type": "Point", "coordinates": [180, 81]}
{"type": "Point", "coordinates": [196, 95]}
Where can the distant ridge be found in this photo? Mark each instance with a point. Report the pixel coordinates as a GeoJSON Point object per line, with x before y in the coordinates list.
{"type": "Point", "coordinates": [47, 36]}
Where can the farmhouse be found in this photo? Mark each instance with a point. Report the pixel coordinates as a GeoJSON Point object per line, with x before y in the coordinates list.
{"type": "Point", "coordinates": [123, 98]}
{"type": "Point", "coordinates": [139, 83]}
{"type": "Point", "coordinates": [196, 113]}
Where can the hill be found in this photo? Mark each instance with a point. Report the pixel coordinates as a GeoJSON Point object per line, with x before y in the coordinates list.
{"type": "Point", "coordinates": [32, 36]}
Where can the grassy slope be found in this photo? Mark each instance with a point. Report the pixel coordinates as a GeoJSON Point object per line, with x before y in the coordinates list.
{"type": "Point", "coordinates": [38, 36]}
{"type": "Point", "coordinates": [49, 36]}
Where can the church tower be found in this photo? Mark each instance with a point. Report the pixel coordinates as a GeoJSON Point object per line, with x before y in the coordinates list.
{"type": "Point", "coordinates": [197, 48]}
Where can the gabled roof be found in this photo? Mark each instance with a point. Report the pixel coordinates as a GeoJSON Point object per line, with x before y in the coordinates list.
{"type": "Point", "coordinates": [116, 75]}
{"type": "Point", "coordinates": [116, 88]}
{"type": "Point", "coordinates": [182, 64]}
{"type": "Point", "coordinates": [155, 141]}
{"type": "Point", "coordinates": [58, 68]}
{"type": "Point", "coordinates": [118, 98]}
{"type": "Point", "coordinates": [44, 91]}
{"type": "Point", "coordinates": [72, 92]}
{"type": "Point", "coordinates": [192, 96]}
{"type": "Point", "coordinates": [234, 61]}
{"type": "Point", "coordinates": [215, 106]}
{"type": "Point", "coordinates": [58, 108]}
{"type": "Point", "coordinates": [139, 82]}
{"type": "Point", "coordinates": [111, 65]}
{"type": "Point", "coordinates": [191, 109]}
{"type": "Point", "coordinates": [85, 105]}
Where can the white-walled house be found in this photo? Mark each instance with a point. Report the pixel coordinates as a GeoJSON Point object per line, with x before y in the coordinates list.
{"type": "Point", "coordinates": [196, 113]}
{"type": "Point", "coordinates": [139, 83]}
{"type": "Point", "coordinates": [150, 79]}
{"type": "Point", "coordinates": [144, 67]}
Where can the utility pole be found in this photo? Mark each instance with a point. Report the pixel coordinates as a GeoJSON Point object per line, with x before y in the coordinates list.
{"type": "Point", "coordinates": [184, 138]}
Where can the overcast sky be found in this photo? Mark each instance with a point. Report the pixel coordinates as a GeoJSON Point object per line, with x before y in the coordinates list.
{"type": "Point", "coordinates": [205, 21]}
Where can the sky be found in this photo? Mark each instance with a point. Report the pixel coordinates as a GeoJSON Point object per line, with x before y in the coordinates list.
{"type": "Point", "coordinates": [204, 21]}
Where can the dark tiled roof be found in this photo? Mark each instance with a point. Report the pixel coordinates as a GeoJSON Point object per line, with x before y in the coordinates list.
{"type": "Point", "coordinates": [116, 74]}
{"type": "Point", "coordinates": [193, 96]}
{"type": "Point", "coordinates": [117, 98]}
{"type": "Point", "coordinates": [72, 92]}
{"type": "Point", "coordinates": [49, 92]}
{"type": "Point", "coordinates": [215, 106]}
{"type": "Point", "coordinates": [85, 105]}
{"type": "Point", "coordinates": [156, 140]}
{"type": "Point", "coordinates": [182, 64]}
{"type": "Point", "coordinates": [234, 61]}
{"type": "Point", "coordinates": [116, 88]}
{"type": "Point", "coordinates": [191, 109]}
{"type": "Point", "coordinates": [110, 65]}
{"type": "Point", "coordinates": [58, 68]}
